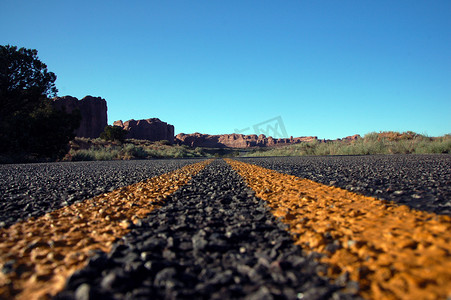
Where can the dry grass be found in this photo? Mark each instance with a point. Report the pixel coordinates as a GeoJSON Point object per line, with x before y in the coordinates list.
{"type": "Point", "coordinates": [388, 142]}
{"type": "Point", "coordinates": [98, 149]}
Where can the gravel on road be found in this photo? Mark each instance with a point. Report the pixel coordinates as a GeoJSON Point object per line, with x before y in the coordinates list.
{"type": "Point", "coordinates": [422, 182]}
{"type": "Point", "coordinates": [213, 239]}
{"type": "Point", "coordinates": [394, 252]}
{"type": "Point", "coordinates": [216, 238]}
{"type": "Point", "coordinates": [31, 190]}
{"type": "Point", "coordinates": [37, 255]}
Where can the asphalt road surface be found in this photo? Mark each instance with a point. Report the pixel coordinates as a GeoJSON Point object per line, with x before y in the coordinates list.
{"type": "Point", "coordinates": [419, 181]}
{"type": "Point", "coordinates": [31, 190]}
{"type": "Point", "coordinates": [227, 232]}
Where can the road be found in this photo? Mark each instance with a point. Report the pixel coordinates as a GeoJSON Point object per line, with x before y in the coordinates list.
{"type": "Point", "coordinates": [229, 229]}
{"type": "Point", "coordinates": [31, 190]}
{"type": "Point", "coordinates": [420, 181]}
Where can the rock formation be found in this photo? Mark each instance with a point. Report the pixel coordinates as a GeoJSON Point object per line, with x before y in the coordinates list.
{"type": "Point", "coordinates": [236, 140]}
{"type": "Point", "coordinates": [351, 138]}
{"type": "Point", "coordinates": [151, 129]}
{"type": "Point", "coordinates": [93, 113]}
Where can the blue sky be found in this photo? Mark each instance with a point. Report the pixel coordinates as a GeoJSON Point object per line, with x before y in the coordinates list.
{"type": "Point", "coordinates": [327, 68]}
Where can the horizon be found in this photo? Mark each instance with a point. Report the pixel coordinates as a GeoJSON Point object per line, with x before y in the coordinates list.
{"type": "Point", "coordinates": [269, 130]}
{"type": "Point", "coordinates": [302, 68]}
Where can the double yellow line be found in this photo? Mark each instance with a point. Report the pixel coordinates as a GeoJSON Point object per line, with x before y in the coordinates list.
{"type": "Point", "coordinates": [393, 252]}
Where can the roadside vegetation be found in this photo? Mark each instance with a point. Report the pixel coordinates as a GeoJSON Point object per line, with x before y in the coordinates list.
{"type": "Point", "coordinates": [30, 128]}
{"type": "Point", "coordinates": [388, 142]}
{"type": "Point", "coordinates": [84, 149]}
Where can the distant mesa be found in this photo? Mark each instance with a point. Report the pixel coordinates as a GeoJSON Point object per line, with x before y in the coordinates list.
{"type": "Point", "coordinates": [236, 140]}
{"type": "Point", "coordinates": [93, 113]}
{"type": "Point", "coordinates": [94, 120]}
{"type": "Point", "coordinates": [150, 129]}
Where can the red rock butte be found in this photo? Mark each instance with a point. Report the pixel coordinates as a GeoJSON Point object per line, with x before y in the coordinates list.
{"type": "Point", "coordinates": [93, 113]}
{"type": "Point", "coordinates": [94, 120]}
{"type": "Point", "coordinates": [150, 129]}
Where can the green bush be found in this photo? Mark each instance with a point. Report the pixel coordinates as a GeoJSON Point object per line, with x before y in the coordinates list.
{"type": "Point", "coordinates": [163, 143]}
{"type": "Point", "coordinates": [131, 151]}
{"type": "Point", "coordinates": [95, 154]}
{"type": "Point", "coordinates": [113, 133]}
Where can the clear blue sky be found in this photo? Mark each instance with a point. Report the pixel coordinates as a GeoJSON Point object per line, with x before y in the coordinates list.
{"type": "Point", "coordinates": [327, 68]}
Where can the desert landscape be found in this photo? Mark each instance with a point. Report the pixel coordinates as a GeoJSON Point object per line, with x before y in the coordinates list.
{"type": "Point", "coordinates": [225, 150]}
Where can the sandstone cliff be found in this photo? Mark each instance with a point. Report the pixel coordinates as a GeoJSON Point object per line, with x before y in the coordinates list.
{"type": "Point", "coordinates": [150, 129]}
{"type": "Point", "coordinates": [93, 113]}
{"type": "Point", "coordinates": [236, 140]}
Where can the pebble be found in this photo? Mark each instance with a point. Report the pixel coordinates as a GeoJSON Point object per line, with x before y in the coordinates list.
{"type": "Point", "coordinates": [48, 249]}
{"type": "Point", "coordinates": [28, 190]}
{"type": "Point", "coordinates": [373, 234]}
{"type": "Point", "coordinates": [421, 181]}
{"type": "Point", "coordinates": [203, 248]}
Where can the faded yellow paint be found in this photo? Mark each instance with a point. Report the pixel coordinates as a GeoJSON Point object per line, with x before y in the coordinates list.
{"type": "Point", "coordinates": [394, 252]}
{"type": "Point", "coordinates": [47, 250]}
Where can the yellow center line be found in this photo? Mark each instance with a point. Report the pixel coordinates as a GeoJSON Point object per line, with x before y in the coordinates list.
{"type": "Point", "coordinates": [42, 253]}
{"type": "Point", "coordinates": [394, 252]}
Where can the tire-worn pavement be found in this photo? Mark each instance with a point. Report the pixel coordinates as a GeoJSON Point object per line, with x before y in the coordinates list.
{"type": "Point", "coordinates": [422, 182]}
{"type": "Point", "coordinates": [31, 190]}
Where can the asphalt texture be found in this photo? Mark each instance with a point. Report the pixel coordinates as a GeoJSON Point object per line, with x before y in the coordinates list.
{"type": "Point", "coordinates": [31, 190]}
{"type": "Point", "coordinates": [422, 182]}
{"type": "Point", "coordinates": [211, 239]}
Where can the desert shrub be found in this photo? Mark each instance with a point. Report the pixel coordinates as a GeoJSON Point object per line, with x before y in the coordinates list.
{"type": "Point", "coordinates": [98, 149]}
{"type": "Point", "coordinates": [113, 133]}
{"type": "Point", "coordinates": [372, 143]}
{"type": "Point", "coordinates": [103, 154]}
{"type": "Point", "coordinates": [94, 154]}
{"type": "Point", "coordinates": [198, 151]}
{"type": "Point", "coordinates": [439, 145]}
{"type": "Point", "coordinates": [372, 136]}
{"type": "Point", "coordinates": [81, 155]}
{"type": "Point", "coordinates": [163, 143]}
{"type": "Point", "coordinates": [131, 151]}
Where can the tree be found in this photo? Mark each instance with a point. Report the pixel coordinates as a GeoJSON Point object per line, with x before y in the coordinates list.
{"type": "Point", "coordinates": [24, 80]}
{"type": "Point", "coordinates": [29, 126]}
{"type": "Point", "coordinates": [114, 133]}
